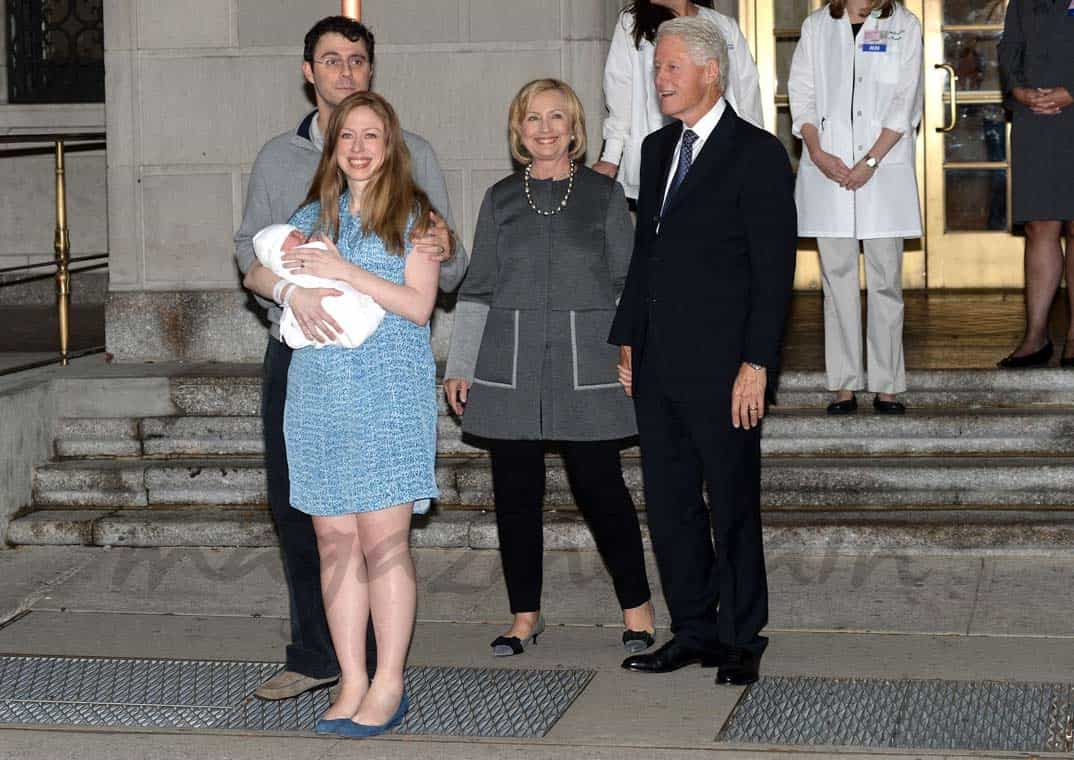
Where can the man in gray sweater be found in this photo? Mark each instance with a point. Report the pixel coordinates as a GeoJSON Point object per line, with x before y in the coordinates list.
{"type": "Point", "coordinates": [338, 61]}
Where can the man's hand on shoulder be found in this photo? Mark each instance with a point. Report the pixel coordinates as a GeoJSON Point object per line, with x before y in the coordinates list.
{"type": "Point", "coordinates": [438, 243]}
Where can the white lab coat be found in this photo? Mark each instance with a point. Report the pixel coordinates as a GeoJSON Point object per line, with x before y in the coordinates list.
{"type": "Point", "coordinates": [634, 109]}
{"type": "Point", "coordinates": [832, 76]}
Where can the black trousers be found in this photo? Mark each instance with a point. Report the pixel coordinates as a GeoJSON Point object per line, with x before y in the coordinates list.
{"type": "Point", "coordinates": [716, 594]}
{"type": "Point", "coordinates": [310, 651]}
{"type": "Point", "coordinates": [596, 479]}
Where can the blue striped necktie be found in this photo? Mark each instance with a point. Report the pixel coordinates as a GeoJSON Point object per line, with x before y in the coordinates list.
{"type": "Point", "coordinates": [686, 158]}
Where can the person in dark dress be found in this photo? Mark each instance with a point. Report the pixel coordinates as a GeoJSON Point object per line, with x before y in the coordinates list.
{"type": "Point", "coordinates": [1036, 58]}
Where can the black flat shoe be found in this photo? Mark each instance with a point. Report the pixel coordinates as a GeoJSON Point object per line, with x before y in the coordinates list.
{"type": "Point", "coordinates": [1035, 359]}
{"type": "Point", "coordinates": [843, 407]}
{"type": "Point", "coordinates": [636, 642]}
{"type": "Point", "coordinates": [740, 668]}
{"type": "Point", "coordinates": [888, 407]}
{"type": "Point", "coordinates": [671, 656]}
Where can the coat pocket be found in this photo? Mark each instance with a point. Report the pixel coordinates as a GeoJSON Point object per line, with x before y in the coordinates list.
{"type": "Point", "coordinates": [594, 359]}
{"type": "Point", "coordinates": [497, 360]}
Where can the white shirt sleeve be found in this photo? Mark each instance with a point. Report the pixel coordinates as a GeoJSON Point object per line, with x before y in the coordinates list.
{"type": "Point", "coordinates": [618, 91]}
{"type": "Point", "coordinates": [800, 85]}
{"type": "Point", "coordinates": [744, 81]}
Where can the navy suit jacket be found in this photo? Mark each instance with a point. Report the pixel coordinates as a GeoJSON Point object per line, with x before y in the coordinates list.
{"type": "Point", "coordinates": [712, 287]}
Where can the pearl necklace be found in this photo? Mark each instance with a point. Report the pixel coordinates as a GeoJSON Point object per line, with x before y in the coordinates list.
{"type": "Point", "coordinates": [562, 204]}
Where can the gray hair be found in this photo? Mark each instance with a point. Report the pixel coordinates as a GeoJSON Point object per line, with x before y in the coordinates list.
{"type": "Point", "coordinates": [702, 38]}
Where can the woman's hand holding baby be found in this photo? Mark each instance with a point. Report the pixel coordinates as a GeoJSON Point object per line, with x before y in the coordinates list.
{"type": "Point", "coordinates": [327, 264]}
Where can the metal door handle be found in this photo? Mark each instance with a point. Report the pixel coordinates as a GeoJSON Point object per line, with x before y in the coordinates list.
{"type": "Point", "coordinates": [952, 83]}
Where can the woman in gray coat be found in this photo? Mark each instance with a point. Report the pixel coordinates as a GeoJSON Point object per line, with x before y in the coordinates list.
{"type": "Point", "coordinates": [1036, 59]}
{"type": "Point", "coordinates": [530, 362]}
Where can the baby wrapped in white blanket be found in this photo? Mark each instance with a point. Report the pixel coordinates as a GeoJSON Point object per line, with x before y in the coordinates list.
{"type": "Point", "coordinates": [356, 313]}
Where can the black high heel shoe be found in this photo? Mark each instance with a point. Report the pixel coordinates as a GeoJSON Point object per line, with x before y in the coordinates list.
{"type": "Point", "coordinates": [636, 642]}
{"type": "Point", "coordinates": [1036, 359]}
{"type": "Point", "coordinates": [508, 646]}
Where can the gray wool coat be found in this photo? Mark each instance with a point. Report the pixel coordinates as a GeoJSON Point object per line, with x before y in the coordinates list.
{"type": "Point", "coordinates": [533, 315]}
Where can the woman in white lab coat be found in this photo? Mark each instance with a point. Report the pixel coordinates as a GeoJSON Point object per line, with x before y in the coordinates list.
{"type": "Point", "coordinates": [855, 92]}
{"type": "Point", "coordinates": [633, 108]}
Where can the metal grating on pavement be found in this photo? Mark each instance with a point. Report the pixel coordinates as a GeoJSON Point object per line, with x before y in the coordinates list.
{"type": "Point", "coordinates": [912, 714]}
{"type": "Point", "coordinates": [80, 691]}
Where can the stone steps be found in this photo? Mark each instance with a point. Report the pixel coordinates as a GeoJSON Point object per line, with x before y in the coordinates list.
{"type": "Point", "coordinates": [999, 532]}
{"type": "Point", "coordinates": [786, 433]}
{"type": "Point", "coordinates": [984, 459]}
{"type": "Point", "coordinates": [230, 390]}
{"type": "Point", "coordinates": [787, 482]}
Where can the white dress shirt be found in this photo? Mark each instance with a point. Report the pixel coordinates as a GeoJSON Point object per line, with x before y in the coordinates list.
{"type": "Point", "coordinates": [702, 128]}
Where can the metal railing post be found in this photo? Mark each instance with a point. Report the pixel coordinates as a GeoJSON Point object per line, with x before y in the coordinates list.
{"type": "Point", "coordinates": [62, 246]}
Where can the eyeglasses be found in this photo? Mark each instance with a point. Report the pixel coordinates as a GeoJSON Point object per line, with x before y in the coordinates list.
{"type": "Point", "coordinates": [335, 63]}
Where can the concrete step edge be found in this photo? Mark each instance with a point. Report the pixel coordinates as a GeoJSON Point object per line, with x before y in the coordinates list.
{"type": "Point", "coordinates": [215, 528]}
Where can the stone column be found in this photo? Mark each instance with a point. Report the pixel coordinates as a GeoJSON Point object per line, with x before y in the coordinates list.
{"type": "Point", "coordinates": [194, 89]}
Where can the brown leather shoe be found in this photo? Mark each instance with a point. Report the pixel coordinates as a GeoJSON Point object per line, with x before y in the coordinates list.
{"type": "Point", "coordinates": [287, 684]}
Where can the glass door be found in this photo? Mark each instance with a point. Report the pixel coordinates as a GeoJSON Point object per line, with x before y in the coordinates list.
{"type": "Point", "coordinates": [967, 146]}
{"type": "Point", "coordinates": [773, 28]}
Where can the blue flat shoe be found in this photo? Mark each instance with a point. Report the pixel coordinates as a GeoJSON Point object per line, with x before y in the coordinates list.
{"type": "Point", "coordinates": [354, 730]}
{"type": "Point", "coordinates": [330, 725]}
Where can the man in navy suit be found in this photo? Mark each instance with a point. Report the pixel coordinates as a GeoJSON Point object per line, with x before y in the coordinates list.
{"type": "Point", "coordinates": [700, 326]}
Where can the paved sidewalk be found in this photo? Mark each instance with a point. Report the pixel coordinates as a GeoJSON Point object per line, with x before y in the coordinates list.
{"type": "Point", "coordinates": [919, 617]}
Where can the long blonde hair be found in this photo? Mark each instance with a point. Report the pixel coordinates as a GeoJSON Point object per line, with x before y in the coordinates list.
{"type": "Point", "coordinates": [390, 198]}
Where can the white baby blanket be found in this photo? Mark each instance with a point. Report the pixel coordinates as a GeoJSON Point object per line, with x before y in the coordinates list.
{"type": "Point", "coordinates": [355, 312]}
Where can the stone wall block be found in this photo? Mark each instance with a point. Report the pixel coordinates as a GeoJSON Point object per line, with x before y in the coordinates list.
{"type": "Point", "coordinates": [120, 22]}
{"type": "Point", "coordinates": [28, 215]}
{"type": "Point", "coordinates": [119, 77]}
{"type": "Point", "coordinates": [190, 24]}
{"type": "Point", "coordinates": [189, 214]}
{"type": "Point", "coordinates": [401, 22]}
{"type": "Point", "coordinates": [280, 22]}
{"type": "Point", "coordinates": [462, 121]}
{"type": "Point", "coordinates": [216, 109]}
{"type": "Point", "coordinates": [209, 325]}
{"type": "Point", "coordinates": [532, 20]}
{"type": "Point", "coordinates": [124, 231]}
{"type": "Point", "coordinates": [583, 69]}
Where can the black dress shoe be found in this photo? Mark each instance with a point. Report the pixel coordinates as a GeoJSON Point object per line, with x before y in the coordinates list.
{"type": "Point", "coordinates": [671, 656]}
{"type": "Point", "coordinates": [888, 407]}
{"type": "Point", "coordinates": [740, 667]}
{"type": "Point", "coordinates": [1036, 359]}
{"type": "Point", "coordinates": [843, 407]}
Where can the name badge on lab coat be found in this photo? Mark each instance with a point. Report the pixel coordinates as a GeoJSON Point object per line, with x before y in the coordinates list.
{"type": "Point", "coordinates": [873, 41]}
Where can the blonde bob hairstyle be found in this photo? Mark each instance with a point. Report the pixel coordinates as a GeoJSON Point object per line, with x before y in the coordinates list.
{"type": "Point", "coordinates": [520, 106]}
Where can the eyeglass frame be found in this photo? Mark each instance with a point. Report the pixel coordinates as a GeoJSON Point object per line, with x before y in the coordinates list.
{"type": "Point", "coordinates": [324, 61]}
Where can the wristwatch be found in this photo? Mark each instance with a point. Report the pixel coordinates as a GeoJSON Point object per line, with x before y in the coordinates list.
{"type": "Point", "coordinates": [757, 367]}
{"type": "Point", "coordinates": [871, 161]}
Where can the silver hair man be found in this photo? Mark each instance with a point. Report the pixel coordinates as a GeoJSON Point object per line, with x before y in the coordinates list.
{"type": "Point", "coordinates": [703, 39]}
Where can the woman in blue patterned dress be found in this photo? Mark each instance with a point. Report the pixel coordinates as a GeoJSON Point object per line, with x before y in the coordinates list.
{"type": "Point", "coordinates": [360, 424]}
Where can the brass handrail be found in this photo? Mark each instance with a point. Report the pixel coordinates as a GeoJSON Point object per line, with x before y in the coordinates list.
{"type": "Point", "coordinates": [62, 237]}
